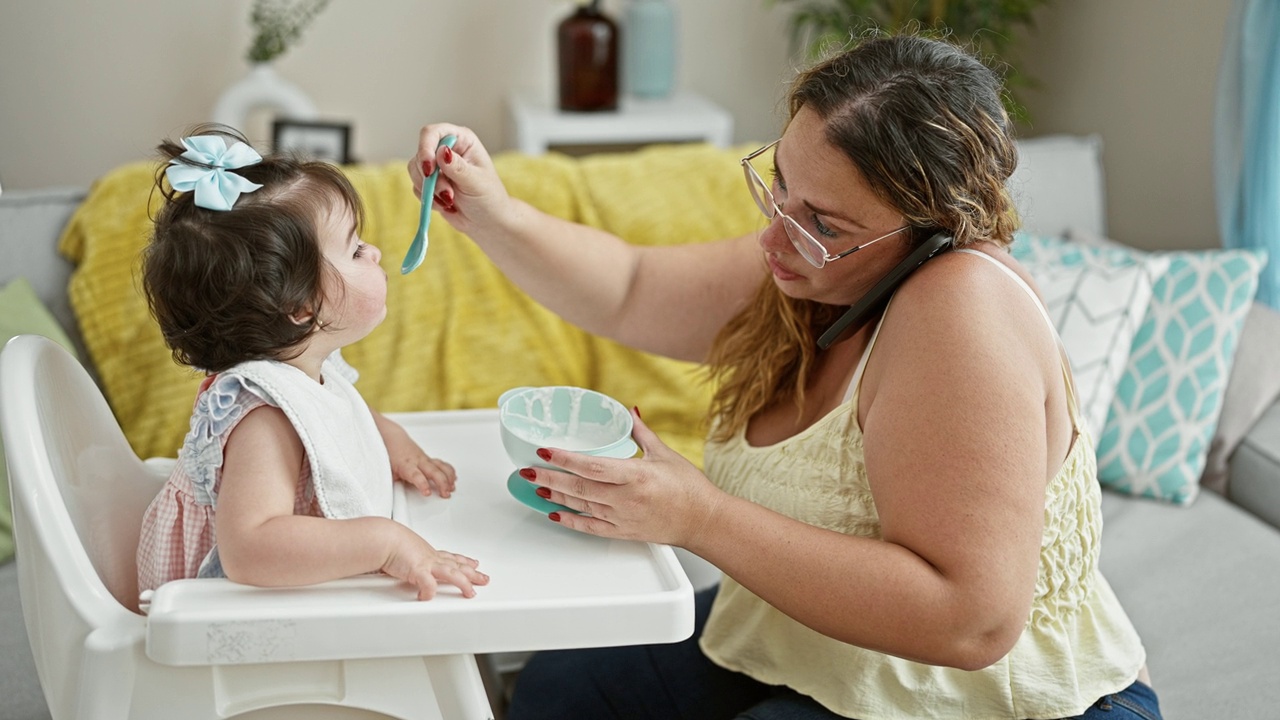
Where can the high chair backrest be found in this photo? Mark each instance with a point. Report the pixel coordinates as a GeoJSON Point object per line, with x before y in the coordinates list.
{"type": "Point", "coordinates": [79, 491]}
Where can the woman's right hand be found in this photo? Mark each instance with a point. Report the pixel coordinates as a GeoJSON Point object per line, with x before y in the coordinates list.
{"type": "Point", "coordinates": [469, 192]}
{"type": "Point", "coordinates": [414, 561]}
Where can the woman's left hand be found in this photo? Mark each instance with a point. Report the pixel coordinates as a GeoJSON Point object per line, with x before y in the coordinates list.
{"type": "Point", "coordinates": [660, 497]}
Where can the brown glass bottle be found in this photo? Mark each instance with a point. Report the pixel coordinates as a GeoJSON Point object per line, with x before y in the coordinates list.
{"type": "Point", "coordinates": [587, 42]}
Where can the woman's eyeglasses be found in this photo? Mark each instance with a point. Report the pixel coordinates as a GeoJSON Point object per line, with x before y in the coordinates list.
{"type": "Point", "coordinates": [805, 243]}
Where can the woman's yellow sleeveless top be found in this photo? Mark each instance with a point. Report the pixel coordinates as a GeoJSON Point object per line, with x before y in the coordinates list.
{"type": "Point", "coordinates": [1078, 644]}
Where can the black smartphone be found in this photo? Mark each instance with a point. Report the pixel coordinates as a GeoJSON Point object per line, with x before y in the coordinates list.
{"type": "Point", "coordinates": [879, 293]}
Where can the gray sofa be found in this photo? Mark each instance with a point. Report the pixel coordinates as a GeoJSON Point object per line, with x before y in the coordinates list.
{"type": "Point", "coordinates": [1202, 583]}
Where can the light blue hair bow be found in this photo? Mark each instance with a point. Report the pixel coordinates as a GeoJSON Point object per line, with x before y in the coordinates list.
{"type": "Point", "coordinates": [215, 188]}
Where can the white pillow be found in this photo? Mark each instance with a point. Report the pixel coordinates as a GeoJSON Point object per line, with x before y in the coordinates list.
{"type": "Point", "coordinates": [1097, 308]}
{"type": "Point", "coordinates": [1058, 184]}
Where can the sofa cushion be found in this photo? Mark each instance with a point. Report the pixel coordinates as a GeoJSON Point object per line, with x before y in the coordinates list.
{"type": "Point", "coordinates": [1058, 184]}
{"type": "Point", "coordinates": [32, 222]}
{"type": "Point", "coordinates": [1200, 584]}
{"type": "Point", "coordinates": [1255, 469]}
{"type": "Point", "coordinates": [1168, 402]}
{"type": "Point", "coordinates": [21, 312]}
{"type": "Point", "coordinates": [1096, 306]}
{"type": "Point", "coordinates": [1156, 439]}
{"type": "Point", "coordinates": [1252, 389]}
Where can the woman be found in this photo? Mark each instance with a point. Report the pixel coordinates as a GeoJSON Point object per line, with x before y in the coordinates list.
{"type": "Point", "coordinates": [907, 517]}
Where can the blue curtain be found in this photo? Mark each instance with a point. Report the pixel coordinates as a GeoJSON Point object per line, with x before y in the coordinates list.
{"type": "Point", "coordinates": [1247, 137]}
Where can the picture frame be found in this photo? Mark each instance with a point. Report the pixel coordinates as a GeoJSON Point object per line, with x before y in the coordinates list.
{"type": "Point", "coordinates": [327, 141]}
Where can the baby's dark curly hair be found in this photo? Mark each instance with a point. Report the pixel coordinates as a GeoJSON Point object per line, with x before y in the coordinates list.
{"type": "Point", "coordinates": [230, 286]}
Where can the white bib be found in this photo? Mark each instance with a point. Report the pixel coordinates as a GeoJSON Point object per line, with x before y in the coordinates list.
{"type": "Point", "coordinates": [350, 468]}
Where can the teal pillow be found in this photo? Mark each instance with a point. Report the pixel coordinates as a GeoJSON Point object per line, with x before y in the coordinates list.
{"type": "Point", "coordinates": [1167, 403]}
{"type": "Point", "coordinates": [21, 313]}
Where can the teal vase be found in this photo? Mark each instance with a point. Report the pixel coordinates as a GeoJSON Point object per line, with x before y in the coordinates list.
{"type": "Point", "coordinates": [649, 48]}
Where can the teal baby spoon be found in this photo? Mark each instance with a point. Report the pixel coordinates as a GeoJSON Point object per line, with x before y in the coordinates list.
{"type": "Point", "coordinates": [418, 249]}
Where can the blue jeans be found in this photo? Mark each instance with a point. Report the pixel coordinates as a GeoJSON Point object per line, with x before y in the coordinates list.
{"type": "Point", "coordinates": [678, 682]}
{"type": "Point", "coordinates": [1136, 702]}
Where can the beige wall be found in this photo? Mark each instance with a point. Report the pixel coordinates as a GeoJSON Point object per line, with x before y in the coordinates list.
{"type": "Point", "coordinates": [1142, 74]}
{"type": "Point", "coordinates": [87, 84]}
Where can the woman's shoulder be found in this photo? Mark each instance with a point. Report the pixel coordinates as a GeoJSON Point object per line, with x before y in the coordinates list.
{"type": "Point", "coordinates": [970, 288]}
{"type": "Point", "coordinates": [961, 309]}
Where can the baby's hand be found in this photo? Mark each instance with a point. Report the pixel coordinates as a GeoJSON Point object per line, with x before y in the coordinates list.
{"type": "Point", "coordinates": [424, 472]}
{"type": "Point", "coordinates": [409, 464]}
{"type": "Point", "coordinates": [414, 561]}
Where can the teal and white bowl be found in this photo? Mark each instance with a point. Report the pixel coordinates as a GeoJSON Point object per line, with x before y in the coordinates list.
{"type": "Point", "coordinates": [565, 417]}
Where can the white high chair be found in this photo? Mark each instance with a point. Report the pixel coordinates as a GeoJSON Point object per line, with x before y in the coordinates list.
{"type": "Point", "coordinates": [79, 493]}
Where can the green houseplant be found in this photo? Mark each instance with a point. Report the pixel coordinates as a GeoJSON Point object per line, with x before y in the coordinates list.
{"type": "Point", "coordinates": [277, 24]}
{"type": "Point", "coordinates": [990, 28]}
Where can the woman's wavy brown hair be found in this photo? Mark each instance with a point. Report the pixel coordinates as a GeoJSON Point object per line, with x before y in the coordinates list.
{"type": "Point", "coordinates": [922, 121]}
{"type": "Point", "coordinates": [226, 286]}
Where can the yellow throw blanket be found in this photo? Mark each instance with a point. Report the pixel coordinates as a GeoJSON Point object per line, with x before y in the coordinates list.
{"type": "Point", "coordinates": [457, 333]}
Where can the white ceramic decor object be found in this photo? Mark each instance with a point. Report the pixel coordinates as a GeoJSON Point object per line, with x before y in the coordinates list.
{"type": "Point", "coordinates": [262, 88]}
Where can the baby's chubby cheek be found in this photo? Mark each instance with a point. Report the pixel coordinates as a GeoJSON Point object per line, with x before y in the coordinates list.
{"type": "Point", "coordinates": [366, 308]}
{"type": "Point", "coordinates": [374, 305]}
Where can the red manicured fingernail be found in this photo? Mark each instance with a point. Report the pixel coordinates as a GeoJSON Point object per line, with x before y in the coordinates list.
{"type": "Point", "coordinates": [426, 168]}
{"type": "Point", "coordinates": [543, 492]}
{"type": "Point", "coordinates": [555, 517]}
{"type": "Point", "coordinates": [637, 409]}
{"type": "Point", "coordinates": [447, 156]}
{"type": "Point", "coordinates": [528, 474]}
{"type": "Point", "coordinates": [544, 453]}
{"type": "Point", "coordinates": [447, 196]}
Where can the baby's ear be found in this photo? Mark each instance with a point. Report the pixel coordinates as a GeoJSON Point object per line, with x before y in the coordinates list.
{"type": "Point", "coordinates": [302, 316]}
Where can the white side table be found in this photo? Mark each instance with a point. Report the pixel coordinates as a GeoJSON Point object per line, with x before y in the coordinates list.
{"type": "Point", "coordinates": [537, 126]}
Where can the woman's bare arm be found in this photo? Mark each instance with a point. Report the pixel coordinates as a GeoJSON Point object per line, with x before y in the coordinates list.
{"type": "Point", "coordinates": [670, 300]}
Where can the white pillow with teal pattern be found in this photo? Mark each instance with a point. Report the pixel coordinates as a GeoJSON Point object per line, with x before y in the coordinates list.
{"type": "Point", "coordinates": [1096, 304]}
{"type": "Point", "coordinates": [1169, 398]}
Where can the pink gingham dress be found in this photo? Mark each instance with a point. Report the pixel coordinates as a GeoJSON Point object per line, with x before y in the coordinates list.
{"type": "Point", "coordinates": [178, 537]}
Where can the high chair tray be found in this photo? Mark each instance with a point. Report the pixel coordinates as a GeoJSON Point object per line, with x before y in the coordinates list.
{"type": "Point", "coordinates": [549, 588]}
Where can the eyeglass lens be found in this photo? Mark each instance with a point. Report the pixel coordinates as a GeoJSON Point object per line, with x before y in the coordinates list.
{"type": "Point", "coordinates": [800, 238]}
{"type": "Point", "coordinates": [759, 191]}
